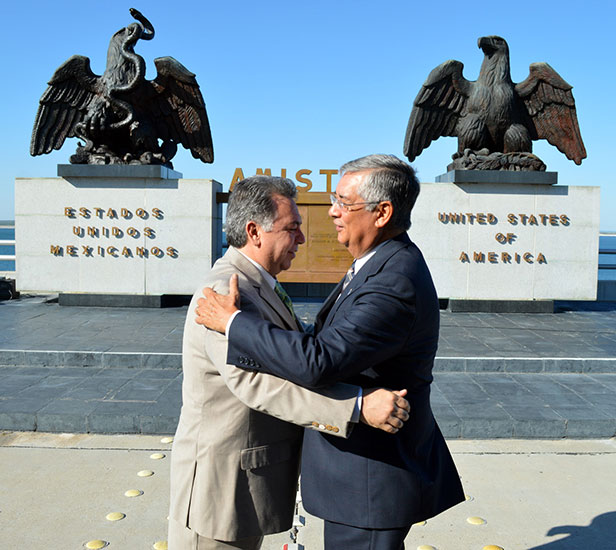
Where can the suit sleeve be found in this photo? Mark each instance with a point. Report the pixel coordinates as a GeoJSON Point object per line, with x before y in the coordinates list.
{"type": "Point", "coordinates": [328, 409]}
{"type": "Point", "coordinates": [370, 329]}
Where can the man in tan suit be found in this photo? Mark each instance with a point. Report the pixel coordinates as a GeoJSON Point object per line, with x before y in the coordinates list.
{"type": "Point", "coordinates": [235, 459]}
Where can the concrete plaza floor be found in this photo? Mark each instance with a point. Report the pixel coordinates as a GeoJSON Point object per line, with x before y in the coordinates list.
{"type": "Point", "coordinates": [56, 490]}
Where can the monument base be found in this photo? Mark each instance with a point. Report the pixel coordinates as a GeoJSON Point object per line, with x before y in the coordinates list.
{"type": "Point", "coordinates": [498, 177]}
{"type": "Point", "coordinates": [124, 300]}
{"type": "Point", "coordinates": [500, 306]}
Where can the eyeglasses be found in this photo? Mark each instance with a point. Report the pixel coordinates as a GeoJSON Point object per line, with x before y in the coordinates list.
{"type": "Point", "coordinates": [347, 206]}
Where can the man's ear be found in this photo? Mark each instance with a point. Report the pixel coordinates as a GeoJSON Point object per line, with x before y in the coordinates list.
{"type": "Point", "coordinates": [384, 212]}
{"type": "Point", "coordinates": [253, 233]}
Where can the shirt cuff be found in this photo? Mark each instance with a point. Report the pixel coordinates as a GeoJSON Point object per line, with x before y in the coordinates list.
{"type": "Point", "coordinates": [233, 316]}
{"type": "Point", "coordinates": [357, 410]}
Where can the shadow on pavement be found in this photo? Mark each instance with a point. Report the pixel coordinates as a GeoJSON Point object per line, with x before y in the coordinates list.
{"type": "Point", "coordinates": [599, 534]}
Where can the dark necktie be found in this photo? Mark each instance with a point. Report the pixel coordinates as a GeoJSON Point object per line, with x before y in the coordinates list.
{"type": "Point", "coordinates": [349, 276]}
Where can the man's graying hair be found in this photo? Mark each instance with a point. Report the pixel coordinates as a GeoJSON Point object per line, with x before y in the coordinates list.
{"type": "Point", "coordinates": [390, 179]}
{"type": "Point", "coordinates": [252, 199]}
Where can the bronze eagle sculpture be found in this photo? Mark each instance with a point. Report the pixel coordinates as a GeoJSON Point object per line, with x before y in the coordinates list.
{"type": "Point", "coordinates": [121, 117]}
{"type": "Point", "coordinates": [494, 119]}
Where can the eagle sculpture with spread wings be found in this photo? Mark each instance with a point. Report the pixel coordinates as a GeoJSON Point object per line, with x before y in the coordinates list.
{"type": "Point", "coordinates": [121, 117]}
{"type": "Point", "coordinates": [494, 119]}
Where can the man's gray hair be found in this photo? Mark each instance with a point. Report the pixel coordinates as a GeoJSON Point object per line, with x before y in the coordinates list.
{"type": "Point", "coordinates": [389, 179]}
{"type": "Point", "coordinates": [253, 199]}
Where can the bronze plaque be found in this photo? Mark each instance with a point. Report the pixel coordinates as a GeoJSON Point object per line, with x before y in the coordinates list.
{"type": "Point", "coordinates": [321, 259]}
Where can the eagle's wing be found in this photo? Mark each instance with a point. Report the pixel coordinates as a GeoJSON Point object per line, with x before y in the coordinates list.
{"type": "Point", "coordinates": [63, 104]}
{"type": "Point", "coordinates": [437, 107]}
{"type": "Point", "coordinates": [551, 108]}
{"type": "Point", "coordinates": [178, 109]}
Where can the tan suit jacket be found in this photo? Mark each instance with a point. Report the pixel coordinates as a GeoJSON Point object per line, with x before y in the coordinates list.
{"type": "Point", "coordinates": [235, 459]}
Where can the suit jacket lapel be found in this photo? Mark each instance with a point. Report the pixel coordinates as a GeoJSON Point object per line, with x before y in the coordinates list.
{"type": "Point", "coordinates": [374, 264]}
{"type": "Point", "coordinates": [267, 294]}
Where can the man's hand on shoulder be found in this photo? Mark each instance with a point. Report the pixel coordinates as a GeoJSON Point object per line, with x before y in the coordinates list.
{"type": "Point", "coordinates": [214, 310]}
{"type": "Point", "coordinates": [384, 409]}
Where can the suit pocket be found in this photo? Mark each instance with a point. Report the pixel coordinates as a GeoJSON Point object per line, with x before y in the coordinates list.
{"type": "Point", "coordinates": [257, 457]}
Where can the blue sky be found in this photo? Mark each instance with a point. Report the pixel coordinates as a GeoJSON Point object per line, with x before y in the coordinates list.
{"type": "Point", "coordinates": [312, 85]}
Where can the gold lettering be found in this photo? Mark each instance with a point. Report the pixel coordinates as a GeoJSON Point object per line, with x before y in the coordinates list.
{"type": "Point", "coordinates": [541, 259]}
{"type": "Point", "coordinates": [117, 232]}
{"type": "Point", "coordinates": [157, 252]}
{"type": "Point", "coordinates": [101, 251]}
{"type": "Point", "coordinates": [142, 213]}
{"type": "Point", "coordinates": [523, 218]}
{"type": "Point", "coordinates": [238, 175]}
{"type": "Point", "coordinates": [464, 257]}
{"type": "Point", "coordinates": [78, 231]}
{"type": "Point", "coordinates": [442, 217]}
{"type": "Point", "coordinates": [471, 217]}
{"type": "Point", "coordinates": [299, 176]}
{"type": "Point", "coordinates": [564, 219]}
{"type": "Point", "coordinates": [84, 212]}
{"type": "Point", "coordinates": [492, 219]}
{"type": "Point", "coordinates": [528, 257]}
{"type": "Point", "coordinates": [532, 220]}
{"type": "Point", "coordinates": [512, 218]}
{"type": "Point", "coordinates": [328, 180]}
{"type": "Point", "coordinates": [112, 251]}
{"type": "Point", "coordinates": [172, 252]}
{"type": "Point", "coordinates": [500, 238]}
{"type": "Point", "coordinates": [56, 250]}
{"type": "Point", "coordinates": [157, 213]}
{"type": "Point", "coordinates": [481, 218]}
{"type": "Point", "coordinates": [149, 232]}
{"type": "Point", "coordinates": [492, 257]}
{"type": "Point", "coordinates": [283, 172]}
{"type": "Point", "coordinates": [99, 212]}
{"type": "Point", "coordinates": [479, 257]}
{"type": "Point", "coordinates": [71, 250]}
{"type": "Point", "coordinates": [266, 172]}
{"type": "Point", "coordinates": [87, 250]}
{"type": "Point", "coordinates": [543, 218]}
{"type": "Point", "coordinates": [126, 214]}
{"type": "Point", "coordinates": [142, 252]}
{"type": "Point", "coordinates": [553, 219]}
{"type": "Point", "coordinates": [69, 212]}
{"type": "Point", "coordinates": [505, 258]}
{"type": "Point", "coordinates": [132, 232]}
{"type": "Point", "coordinates": [92, 231]}
{"type": "Point", "coordinates": [111, 213]}
{"type": "Point", "coordinates": [106, 231]}
{"type": "Point", "coordinates": [127, 253]}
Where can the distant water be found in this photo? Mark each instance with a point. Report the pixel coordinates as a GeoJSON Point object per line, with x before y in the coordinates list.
{"type": "Point", "coordinates": [7, 234]}
{"type": "Point", "coordinates": [607, 243]}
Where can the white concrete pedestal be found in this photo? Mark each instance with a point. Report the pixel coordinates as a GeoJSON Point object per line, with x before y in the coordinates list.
{"type": "Point", "coordinates": [118, 230]}
{"type": "Point", "coordinates": [509, 241]}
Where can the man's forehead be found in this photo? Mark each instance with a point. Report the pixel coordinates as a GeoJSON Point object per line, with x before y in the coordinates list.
{"type": "Point", "coordinates": [287, 211]}
{"type": "Point", "coordinates": [348, 183]}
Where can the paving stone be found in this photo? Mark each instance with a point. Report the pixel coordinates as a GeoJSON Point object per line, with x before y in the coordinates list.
{"type": "Point", "coordinates": [65, 415]}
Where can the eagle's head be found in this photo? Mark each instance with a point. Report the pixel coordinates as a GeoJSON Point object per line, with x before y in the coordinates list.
{"type": "Point", "coordinates": [493, 44]}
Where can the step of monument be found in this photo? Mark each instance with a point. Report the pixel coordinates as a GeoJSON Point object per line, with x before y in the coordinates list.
{"type": "Point", "coordinates": [107, 359]}
{"type": "Point", "coordinates": [525, 364]}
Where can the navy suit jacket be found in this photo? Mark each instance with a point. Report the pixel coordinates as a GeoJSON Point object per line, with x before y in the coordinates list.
{"type": "Point", "coordinates": [381, 332]}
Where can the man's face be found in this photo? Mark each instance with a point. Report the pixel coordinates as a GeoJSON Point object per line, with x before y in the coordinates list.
{"type": "Point", "coordinates": [279, 246]}
{"type": "Point", "coordinates": [356, 228]}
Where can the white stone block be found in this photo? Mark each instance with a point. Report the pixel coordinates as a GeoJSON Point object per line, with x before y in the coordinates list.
{"type": "Point", "coordinates": [133, 236]}
{"type": "Point", "coordinates": [537, 242]}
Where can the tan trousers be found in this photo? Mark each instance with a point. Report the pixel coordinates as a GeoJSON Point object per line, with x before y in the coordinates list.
{"type": "Point", "coordinates": [183, 538]}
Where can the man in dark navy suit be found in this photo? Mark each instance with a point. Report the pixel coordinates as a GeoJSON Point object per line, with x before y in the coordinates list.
{"type": "Point", "coordinates": [378, 328]}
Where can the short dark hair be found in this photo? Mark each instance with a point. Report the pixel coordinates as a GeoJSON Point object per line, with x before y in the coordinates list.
{"type": "Point", "coordinates": [389, 179]}
{"type": "Point", "coordinates": [252, 199]}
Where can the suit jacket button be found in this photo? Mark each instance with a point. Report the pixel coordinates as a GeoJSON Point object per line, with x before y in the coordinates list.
{"type": "Point", "coordinates": [335, 429]}
{"type": "Point", "coordinates": [328, 428]}
{"type": "Point", "coordinates": [321, 427]}
{"type": "Point", "coordinates": [315, 424]}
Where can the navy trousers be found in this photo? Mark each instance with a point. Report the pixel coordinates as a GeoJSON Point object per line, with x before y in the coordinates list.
{"type": "Point", "coordinates": [338, 537]}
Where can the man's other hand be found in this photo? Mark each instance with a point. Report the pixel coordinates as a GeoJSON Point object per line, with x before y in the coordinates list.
{"type": "Point", "coordinates": [384, 409]}
{"type": "Point", "coordinates": [215, 310]}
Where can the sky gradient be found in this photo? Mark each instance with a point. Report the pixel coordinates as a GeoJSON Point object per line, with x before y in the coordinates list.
{"type": "Point", "coordinates": [312, 85]}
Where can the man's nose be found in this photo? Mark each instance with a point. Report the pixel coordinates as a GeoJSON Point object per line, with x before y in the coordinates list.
{"type": "Point", "coordinates": [301, 239]}
{"type": "Point", "coordinates": [333, 212]}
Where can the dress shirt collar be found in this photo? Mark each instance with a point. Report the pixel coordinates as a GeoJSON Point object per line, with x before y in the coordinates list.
{"type": "Point", "coordinates": [361, 262]}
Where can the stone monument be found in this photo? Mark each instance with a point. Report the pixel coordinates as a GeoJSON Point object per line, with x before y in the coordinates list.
{"type": "Point", "coordinates": [119, 226]}
{"type": "Point", "coordinates": [497, 233]}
